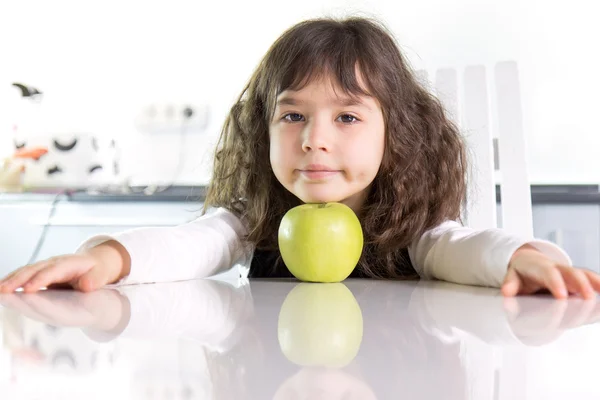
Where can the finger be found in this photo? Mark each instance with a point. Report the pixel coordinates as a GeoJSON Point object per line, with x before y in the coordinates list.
{"type": "Point", "coordinates": [58, 272]}
{"type": "Point", "coordinates": [536, 277]}
{"type": "Point", "coordinates": [594, 279]}
{"type": "Point", "coordinates": [512, 283]}
{"type": "Point", "coordinates": [94, 279]}
{"type": "Point", "coordinates": [577, 281]}
{"type": "Point", "coordinates": [10, 276]}
{"type": "Point", "coordinates": [13, 273]}
{"type": "Point", "coordinates": [554, 282]}
{"type": "Point", "coordinates": [23, 275]}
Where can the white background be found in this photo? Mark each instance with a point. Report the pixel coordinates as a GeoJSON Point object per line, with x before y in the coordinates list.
{"type": "Point", "coordinates": [100, 62]}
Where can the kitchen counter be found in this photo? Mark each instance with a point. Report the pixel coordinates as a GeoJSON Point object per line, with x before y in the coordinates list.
{"type": "Point", "coordinates": [280, 339]}
{"type": "Point", "coordinates": [136, 194]}
{"type": "Point", "coordinates": [540, 194]}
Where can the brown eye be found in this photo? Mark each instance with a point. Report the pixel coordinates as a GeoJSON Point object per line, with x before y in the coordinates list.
{"type": "Point", "coordinates": [293, 117]}
{"type": "Point", "coordinates": [348, 119]}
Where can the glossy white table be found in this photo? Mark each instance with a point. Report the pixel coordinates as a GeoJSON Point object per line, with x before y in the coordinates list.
{"type": "Point", "coordinates": [277, 339]}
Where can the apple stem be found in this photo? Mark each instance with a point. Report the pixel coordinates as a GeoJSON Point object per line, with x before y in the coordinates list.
{"type": "Point", "coordinates": [322, 205]}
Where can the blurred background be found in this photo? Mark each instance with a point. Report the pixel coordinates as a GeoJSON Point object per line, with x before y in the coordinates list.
{"type": "Point", "coordinates": [128, 97]}
{"type": "Point", "coordinates": [126, 70]}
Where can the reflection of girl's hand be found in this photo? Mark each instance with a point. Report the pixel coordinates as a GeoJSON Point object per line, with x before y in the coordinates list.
{"type": "Point", "coordinates": [102, 309]}
{"type": "Point", "coordinates": [537, 321]}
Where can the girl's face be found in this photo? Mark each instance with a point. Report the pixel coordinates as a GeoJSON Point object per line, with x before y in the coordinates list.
{"type": "Point", "coordinates": [326, 146]}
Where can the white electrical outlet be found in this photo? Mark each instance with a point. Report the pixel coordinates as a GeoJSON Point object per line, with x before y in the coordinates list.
{"type": "Point", "coordinates": [172, 117]}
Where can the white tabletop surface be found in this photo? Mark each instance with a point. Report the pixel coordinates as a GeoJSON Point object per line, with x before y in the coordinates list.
{"type": "Point", "coordinates": [278, 339]}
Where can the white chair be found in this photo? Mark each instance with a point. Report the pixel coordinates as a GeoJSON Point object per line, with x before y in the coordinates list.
{"type": "Point", "coordinates": [479, 109]}
{"type": "Point", "coordinates": [472, 102]}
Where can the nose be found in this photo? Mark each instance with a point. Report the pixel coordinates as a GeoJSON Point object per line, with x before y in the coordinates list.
{"type": "Point", "coordinates": [316, 137]}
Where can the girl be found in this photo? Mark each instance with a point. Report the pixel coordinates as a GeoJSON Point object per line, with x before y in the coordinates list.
{"type": "Point", "coordinates": [332, 114]}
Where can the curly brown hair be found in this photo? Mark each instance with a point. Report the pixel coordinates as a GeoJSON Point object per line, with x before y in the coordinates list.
{"type": "Point", "coordinates": [422, 178]}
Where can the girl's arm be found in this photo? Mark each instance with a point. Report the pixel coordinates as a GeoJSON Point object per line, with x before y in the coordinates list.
{"type": "Point", "coordinates": [204, 247]}
{"type": "Point", "coordinates": [454, 253]}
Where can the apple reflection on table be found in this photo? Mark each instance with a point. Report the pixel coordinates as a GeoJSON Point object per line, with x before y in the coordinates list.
{"type": "Point", "coordinates": [286, 340]}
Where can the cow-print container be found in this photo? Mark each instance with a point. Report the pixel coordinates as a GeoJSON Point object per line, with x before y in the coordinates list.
{"type": "Point", "coordinates": [73, 161]}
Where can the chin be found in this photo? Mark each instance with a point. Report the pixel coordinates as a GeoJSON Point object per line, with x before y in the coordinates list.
{"type": "Point", "coordinates": [320, 198]}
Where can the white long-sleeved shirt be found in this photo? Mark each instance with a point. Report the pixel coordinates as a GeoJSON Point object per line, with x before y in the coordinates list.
{"type": "Point", "coordinates": [213, 243]}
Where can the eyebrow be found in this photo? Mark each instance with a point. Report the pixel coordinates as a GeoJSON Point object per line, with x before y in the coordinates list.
{"type": "Point", "coordinates": [345, 102]}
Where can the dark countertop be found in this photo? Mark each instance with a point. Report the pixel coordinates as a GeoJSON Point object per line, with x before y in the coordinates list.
{"type": "Point", "coordinates": [562, 194]}
{"type": "Point", "coordinates": [540, 194]}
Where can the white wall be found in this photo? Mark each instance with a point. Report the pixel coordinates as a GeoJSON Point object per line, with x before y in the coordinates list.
{"type": "Point", "coordinates": [100, 62]}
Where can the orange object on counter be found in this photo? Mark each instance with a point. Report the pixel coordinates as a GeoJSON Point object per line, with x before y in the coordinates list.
{"type": "Point", "coordinates": [30, 152]}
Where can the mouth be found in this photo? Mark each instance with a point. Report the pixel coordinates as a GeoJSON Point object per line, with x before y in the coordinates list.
{"type": "Point", "coordinates": [318, 172]}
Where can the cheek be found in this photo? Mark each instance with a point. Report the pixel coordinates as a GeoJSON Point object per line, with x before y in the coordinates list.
{"type": "Point", "coordinates": [378, 148]}
{"type": "Point", "coordinates": [278, 155]}
{"type": "Point", "coordinates": [274, 150]}
{"type": "Point", "coordinates": [368, 153]}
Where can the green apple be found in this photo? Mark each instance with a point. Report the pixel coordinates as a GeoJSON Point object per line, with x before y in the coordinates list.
{"type": "Point", "coordinates": [320, 242]}
{"type": "Point", "coordinates": [320, 325]}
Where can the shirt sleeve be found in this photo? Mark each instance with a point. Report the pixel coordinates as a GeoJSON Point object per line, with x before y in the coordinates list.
{"type": "Point", "coordinates": [458, 254]}
{"type": "Point", "coordinates": [204, 247]}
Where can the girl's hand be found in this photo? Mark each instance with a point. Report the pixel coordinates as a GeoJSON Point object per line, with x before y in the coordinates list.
{"type": "Point", "coordinates": [530, 271]}
{"type": "Point", "coordinates": [99, 266]}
